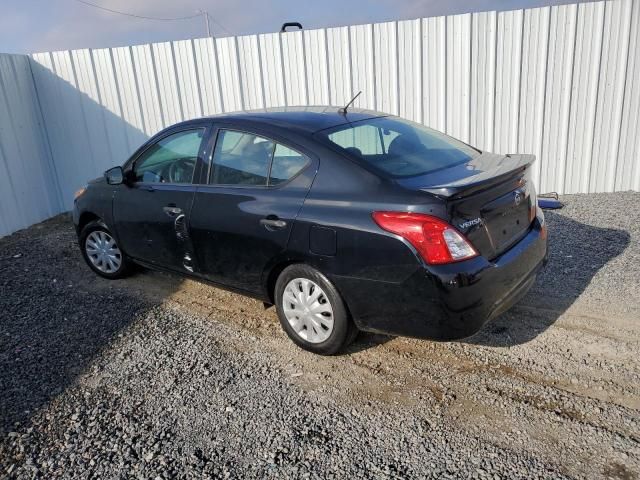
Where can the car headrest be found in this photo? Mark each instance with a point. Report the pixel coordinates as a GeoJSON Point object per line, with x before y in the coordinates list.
{"type": "Point", "coordinates": [257, 149]}
{"type": "Point", "coordinates": [401, 145]}
{"type": "Point", "coordinates": [354, 151]}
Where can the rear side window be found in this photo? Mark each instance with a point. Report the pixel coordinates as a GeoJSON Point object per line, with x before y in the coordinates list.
{"type": "Point", "coordinates": [242, 158]}
{"type": "Point", "coordinates": [287, 163]}
{"type": "Point", "coordinates": [171, 159]}
{"type": "Point", "coordinates": [398, 147]}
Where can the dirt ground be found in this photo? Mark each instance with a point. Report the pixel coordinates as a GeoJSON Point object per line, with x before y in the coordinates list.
{"type": "Point", "coordinates": [556, 377]}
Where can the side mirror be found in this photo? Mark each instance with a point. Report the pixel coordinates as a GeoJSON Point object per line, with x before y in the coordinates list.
{"type": "Point", "coordinates": [114, 176]}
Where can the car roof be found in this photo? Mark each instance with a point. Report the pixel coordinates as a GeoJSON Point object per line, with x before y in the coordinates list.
{"type": "Point", "coordinates": [308, 119]}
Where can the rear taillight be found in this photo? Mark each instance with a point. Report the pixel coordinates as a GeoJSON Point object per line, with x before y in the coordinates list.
{"type": "Point", "coordinates": [436, 241]}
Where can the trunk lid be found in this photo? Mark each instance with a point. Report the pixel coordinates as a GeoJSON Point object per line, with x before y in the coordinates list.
{"type": "Point", "coordinates": [489, 199]}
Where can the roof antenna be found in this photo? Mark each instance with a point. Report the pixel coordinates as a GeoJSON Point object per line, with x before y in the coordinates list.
{"type": "Point", "coordinates": [343, 110]}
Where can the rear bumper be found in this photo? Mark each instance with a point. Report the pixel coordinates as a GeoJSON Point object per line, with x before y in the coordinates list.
{"type": "Point", "coordinates": [448, 302]}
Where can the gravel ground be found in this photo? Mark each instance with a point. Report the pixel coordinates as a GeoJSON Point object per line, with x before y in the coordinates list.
{"type": "Point", "coordinates": [159, 377]}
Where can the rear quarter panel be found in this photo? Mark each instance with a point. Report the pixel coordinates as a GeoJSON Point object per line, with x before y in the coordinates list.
{"type": "Point", "coordinates": [367, 258]}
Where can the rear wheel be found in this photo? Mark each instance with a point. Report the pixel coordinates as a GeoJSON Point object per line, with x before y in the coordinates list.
{"type": "Point", "coordinates": [311, 311]}
{"type": "Point", "coordinates": [101, 251]}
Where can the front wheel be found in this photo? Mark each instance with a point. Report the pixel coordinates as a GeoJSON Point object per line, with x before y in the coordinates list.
{"type": "Point", "coordinates": [101, 252]}
{"type": "Point", "coordinates": [311, 311]}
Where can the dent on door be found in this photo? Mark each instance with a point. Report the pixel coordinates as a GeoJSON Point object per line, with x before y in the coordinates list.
{"type": "Point", "coordinates": [181, 231]}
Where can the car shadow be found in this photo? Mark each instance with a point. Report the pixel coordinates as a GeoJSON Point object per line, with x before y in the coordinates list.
{"type": "Point", "coordinates": [576, 253]}
{"type": "Point", "coordinates": [56, 316]}
{"type": "Point", "coordinates": [365, 341]}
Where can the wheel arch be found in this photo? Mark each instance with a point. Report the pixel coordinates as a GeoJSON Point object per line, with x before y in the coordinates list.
{"type": "Point", "coordinates": [86, 218]}
{"type": "Point", "coordinates": [272, 274]}
{"type": "Point", "coordinates": [271, 277]}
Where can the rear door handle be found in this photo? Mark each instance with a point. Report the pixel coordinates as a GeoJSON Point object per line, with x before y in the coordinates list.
{"type": "Point", "coordinates": [172, 210]}
{"type": "Point", "coordinates": [273, 223]}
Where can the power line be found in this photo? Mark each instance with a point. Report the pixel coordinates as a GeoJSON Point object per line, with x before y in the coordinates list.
{"type": "Point", "coordinates": [206, 21]}
{"type": "Point", "coordinates": [218, 23]}
{"type": "Point", "coordinates": [200, 13]}
{"type": "Point", "coordinates": [89, 4]}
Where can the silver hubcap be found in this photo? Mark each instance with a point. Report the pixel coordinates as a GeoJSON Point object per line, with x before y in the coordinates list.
{"type": "Point", "coordinates": [103, 252]}
{"type": "Point", "coordinates": [307, 309]}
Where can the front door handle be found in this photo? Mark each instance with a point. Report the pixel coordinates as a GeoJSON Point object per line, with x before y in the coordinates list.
{"type": "Point", "coordinates": [171, 210]}
{"type": "Point", "coordinates": [273, 223]}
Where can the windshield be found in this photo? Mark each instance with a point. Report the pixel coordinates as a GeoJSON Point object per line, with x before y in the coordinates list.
{"type": "Point", "coordinates": [399, 148]}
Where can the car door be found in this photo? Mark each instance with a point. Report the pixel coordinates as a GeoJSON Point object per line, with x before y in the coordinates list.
{"type": "Point", "coordinates": [241, 219]}
{"type": "Point", "coordinates": [151, 210]}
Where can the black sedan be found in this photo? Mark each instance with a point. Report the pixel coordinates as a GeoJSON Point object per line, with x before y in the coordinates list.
{"type": "Point", "coordinates": [345, 221]}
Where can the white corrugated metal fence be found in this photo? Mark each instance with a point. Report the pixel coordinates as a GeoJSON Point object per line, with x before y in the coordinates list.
{"type": "Point", "coordinates": [28, 182]}
{"type": "Point", "coordinates": [560, 82]}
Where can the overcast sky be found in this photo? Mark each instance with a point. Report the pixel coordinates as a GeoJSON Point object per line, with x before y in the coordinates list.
{"type": "Point", "coordinates": [28, 26]}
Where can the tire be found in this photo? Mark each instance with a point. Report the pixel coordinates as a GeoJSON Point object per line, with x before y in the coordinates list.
{"type": "Point", "coordinates": [93, 237]}
{"type": "Point", "coordinates": [298, 312]}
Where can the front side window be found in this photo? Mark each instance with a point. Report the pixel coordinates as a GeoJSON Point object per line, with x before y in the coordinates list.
{"type": "Point", "coordinates": [398, 147]}
{"type": "Point", "coordinates": [242, 158]}
{"type": "Point", "coordinates": [170, 160]}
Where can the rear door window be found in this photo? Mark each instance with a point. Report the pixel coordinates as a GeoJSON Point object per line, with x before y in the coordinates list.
{"type": "Point", "coordinates": [243, 158]}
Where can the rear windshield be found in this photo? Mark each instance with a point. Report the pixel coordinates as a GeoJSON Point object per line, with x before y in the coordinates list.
{"type": "Point", "coordinates": [399, 148]}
